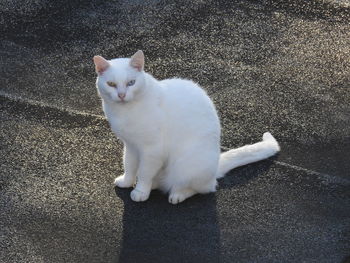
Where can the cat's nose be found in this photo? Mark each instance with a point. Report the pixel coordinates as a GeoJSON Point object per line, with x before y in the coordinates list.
{"type": "Point", "coordinates": [121, 95]}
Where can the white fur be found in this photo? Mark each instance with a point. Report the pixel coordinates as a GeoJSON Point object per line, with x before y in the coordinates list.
{"type": "Point", "coordinates": [171, 133]}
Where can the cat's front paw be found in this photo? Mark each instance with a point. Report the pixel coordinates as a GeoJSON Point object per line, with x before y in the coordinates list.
{"type": "Point", "coordinates": [123, 182]}
{"type": "Point", "coordinates": [139, 196]}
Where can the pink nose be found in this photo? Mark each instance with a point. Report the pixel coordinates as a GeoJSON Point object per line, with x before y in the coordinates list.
{"type": "Point", "coordinates": [121, 95]}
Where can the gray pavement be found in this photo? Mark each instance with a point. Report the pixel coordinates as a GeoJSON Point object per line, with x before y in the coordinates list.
{"type": "Point", "coordinates": [58, 204]}
{"type": "Point", "coordinates": [278, 66]}
{"type": "Point", "coordinates": [281, 66]}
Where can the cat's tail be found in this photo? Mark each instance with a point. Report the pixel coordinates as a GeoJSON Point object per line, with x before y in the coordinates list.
{"type": "Point", "coordinates": [248, 154]}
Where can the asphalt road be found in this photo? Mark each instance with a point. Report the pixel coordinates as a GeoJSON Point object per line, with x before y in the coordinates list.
{"type": "Point", "coordinates": [278, 66]}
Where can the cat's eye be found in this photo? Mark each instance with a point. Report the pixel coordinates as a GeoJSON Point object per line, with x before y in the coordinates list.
{"type": "Point", "coordinates": [130, 83]}
{"type": "Point", "coordinates": [111, 84]}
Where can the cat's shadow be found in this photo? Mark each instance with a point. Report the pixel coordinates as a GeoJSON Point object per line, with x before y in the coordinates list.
{"type": "Point", "coordinates": [156, 231]}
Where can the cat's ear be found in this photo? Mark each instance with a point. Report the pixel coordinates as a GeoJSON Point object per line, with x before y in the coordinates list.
{"type": "Point", "coordinates": [101, 64]}
{"type": "Point", "coordinates": [138, 60]}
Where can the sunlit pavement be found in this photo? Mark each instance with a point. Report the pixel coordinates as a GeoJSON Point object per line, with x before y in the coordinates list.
{"type": "Point", "coordinates": [278, 66]}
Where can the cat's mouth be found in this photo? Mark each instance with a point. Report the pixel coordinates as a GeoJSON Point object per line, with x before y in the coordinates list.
{"type": "Point", "coordinates": [122, 101]}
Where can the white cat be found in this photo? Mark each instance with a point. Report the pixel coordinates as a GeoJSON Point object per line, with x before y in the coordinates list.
{"type": "Point", "coordinates": [170, 130]}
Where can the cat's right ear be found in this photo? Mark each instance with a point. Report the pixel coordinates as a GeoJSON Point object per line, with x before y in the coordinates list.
{"type": "Point", "coordinates": [137, 61]}
{"type": "Point", "coordinates": [101, 64]}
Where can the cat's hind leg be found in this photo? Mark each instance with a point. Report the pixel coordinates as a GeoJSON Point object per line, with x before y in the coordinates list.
{"type": "Point", "coordinates": [191, 174]}
{"type": "Point", "coordinates": [180, 195]}
{"type": "Point", "coordinates": [200, 185]}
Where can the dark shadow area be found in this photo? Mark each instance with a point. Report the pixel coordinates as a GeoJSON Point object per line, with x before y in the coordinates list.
{"type": "Point", "coordinates": [241, 176]}
{"type": "Point", "coordinates": [189, 232]}
{"type": "Point", "coordinates": [156, 231]}
{"type": "Point", "coordinates": [43, 23]}
{"type": "Point", "coordinates": [346, 260]}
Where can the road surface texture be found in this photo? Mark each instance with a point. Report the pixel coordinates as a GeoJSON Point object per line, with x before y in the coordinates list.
{"type": "Point", "coordinates": [269, 65]}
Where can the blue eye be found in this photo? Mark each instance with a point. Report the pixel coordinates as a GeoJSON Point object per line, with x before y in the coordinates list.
{"type": "Point", "coordinates": [130, 83]}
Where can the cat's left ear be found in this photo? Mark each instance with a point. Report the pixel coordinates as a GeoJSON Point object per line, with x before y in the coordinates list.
{"type": "Point", "coordinates": [101, 64]}
{"type": "Point", "coordinates": [138, 60]}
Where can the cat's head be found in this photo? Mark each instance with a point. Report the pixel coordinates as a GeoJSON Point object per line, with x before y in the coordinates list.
{"type": "Point", "coordinates": [120, 80]}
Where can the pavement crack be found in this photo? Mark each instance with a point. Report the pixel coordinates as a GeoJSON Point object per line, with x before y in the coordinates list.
{"type": "Point", "coordinates": [35, 103]}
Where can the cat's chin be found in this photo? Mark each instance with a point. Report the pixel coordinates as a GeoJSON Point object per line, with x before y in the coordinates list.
{"type": "Point", "coordinates": [116, 101]}
{"type": "Point", "coordinates": [122, 101]}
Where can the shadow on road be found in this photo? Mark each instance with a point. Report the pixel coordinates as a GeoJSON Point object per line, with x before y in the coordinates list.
{"type": "Point", "coordinates": [189, 232]}
{"type": "Point", "coordinates": [156, 231]}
